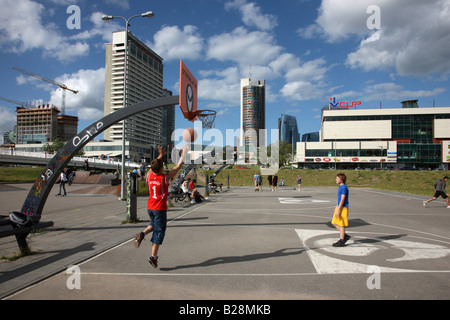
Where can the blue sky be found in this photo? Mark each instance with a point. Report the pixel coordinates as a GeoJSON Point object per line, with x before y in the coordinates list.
{"type": "Point", "coordinates": [306, 50]}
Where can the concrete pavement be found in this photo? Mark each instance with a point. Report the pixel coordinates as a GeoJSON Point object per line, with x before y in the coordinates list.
{"type": "Point", "coordinates": [240, 244]}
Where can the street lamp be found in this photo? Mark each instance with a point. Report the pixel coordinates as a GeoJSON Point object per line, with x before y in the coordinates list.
{"type": "Point", "coordinates": [148, 14]}
{"type": "Point", "coordinates": [381, 157]}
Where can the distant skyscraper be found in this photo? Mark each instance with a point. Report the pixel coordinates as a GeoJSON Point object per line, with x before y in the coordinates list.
{"type": "Point", "coordinates": [144, 82]}
{"type": "Point", "coordinates": [288, 128]}
{"type": "Point", "coordinates": [253, 111]}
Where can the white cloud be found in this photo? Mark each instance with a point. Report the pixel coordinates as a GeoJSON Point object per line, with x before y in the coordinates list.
{"type": "Point", "coordinates": [172, 43]}
{"type": "Point", "coordinates": [252, 15]}
{"type": "Point", "coordinates": [312, 71]}
{"type": "Point", "coordinates": [284, 63]}
{"type": "Point", "coordinates": [310, 32]}
{"type": "Point", "coordinates": [393, 91]}
{"type": "Point", "coordinates": [305, 81]}
{"type": "Point", "coordinates": [414, 37]}
{"type": "Point", "coordinates": [22, 29]}
{"type": "Point", "coordinates": [101, 28]}
{"type": "Point", "coordinates": [244, 47]}
{"type": "Point", "coordinates": [302, 90]}
{"type": "Point", "coordinates": [89, 102]}
{"type": "Point", "coordinates": [220, 85]}
{"type": "Point", "coordinates": [387, 91]}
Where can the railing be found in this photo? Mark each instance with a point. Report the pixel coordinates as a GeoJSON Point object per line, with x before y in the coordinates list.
{"type": "Point", "coordinates": [45, 155]}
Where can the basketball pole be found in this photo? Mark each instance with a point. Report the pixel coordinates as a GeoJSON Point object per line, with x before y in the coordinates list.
{"type": "Point", "coordinates": [41, 188]}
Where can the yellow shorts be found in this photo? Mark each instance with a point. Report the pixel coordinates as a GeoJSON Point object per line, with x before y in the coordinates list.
{"type": "Point", "coordinates": [342, 219]}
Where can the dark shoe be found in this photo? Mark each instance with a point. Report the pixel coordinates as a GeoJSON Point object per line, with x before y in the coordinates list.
{"type": "Point", "coordinates": [339, 243]}
{"type": "Point", "coordinates": [153, 261]}
{"type": "Point", "coordinates": [346, 238]}
{"type": "Point", "coordinates": [138, 239]}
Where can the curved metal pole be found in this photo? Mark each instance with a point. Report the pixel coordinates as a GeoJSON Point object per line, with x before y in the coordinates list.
{"type": "Point", "coordinates": [35, 201]}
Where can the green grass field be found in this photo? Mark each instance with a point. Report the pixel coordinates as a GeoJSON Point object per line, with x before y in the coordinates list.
{"type": "Point", "coordinates": [414, 182]}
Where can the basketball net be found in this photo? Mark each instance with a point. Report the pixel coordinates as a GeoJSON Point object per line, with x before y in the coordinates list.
{"type": "Point", "coordinates": [207, 117]}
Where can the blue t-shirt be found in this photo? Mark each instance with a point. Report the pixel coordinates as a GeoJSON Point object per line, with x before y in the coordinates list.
{"type": "Point", "coordinates": [343, 190]}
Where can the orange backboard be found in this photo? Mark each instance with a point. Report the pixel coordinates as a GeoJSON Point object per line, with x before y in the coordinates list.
{"type": "Point", "coordinates": [188, 91]}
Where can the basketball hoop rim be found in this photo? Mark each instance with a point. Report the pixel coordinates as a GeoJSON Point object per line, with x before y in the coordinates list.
{"type": "Point", "coordinates": [207, 117]}
{"type": "Point", "coordinates": [192, 116]}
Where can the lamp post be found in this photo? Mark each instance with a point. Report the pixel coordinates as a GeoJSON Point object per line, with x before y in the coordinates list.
{"type": "Point", "coordinates": [381, 157]}
{"type": "Point", "coordinates": [148, 14]}
{"type": "Point", "coordinates": [292, 148]}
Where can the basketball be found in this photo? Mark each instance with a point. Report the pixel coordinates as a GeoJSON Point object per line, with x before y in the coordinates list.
{"type": "Point", "coordinates": [189, 135]}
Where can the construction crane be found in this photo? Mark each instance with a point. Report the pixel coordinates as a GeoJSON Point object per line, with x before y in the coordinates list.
{"type": "Point", "coordinates": [16, 102]}
{"type": "Point", "coordinates": [62, 86]}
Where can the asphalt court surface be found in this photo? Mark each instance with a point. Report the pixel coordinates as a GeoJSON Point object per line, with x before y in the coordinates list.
{"type": "Point", "coordinates": [243, 244]}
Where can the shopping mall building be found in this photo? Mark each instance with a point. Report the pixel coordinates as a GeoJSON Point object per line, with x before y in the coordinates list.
{"type": "Point", "coordinates": [407, 137]}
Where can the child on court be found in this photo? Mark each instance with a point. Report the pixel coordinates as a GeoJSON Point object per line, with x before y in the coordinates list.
{"type": "Point", "coordinates": [340, 216]}
{"type": "Point", "coordinates": [157, 203]}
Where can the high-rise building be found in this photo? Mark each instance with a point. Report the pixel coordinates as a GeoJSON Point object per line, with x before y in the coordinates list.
{"type": "Point", "coordinates": [253, 112]}
{"type": "Point", "coordinates": [144, 78]}
{"type": "Point", "coordinates": [67, 127]}
{"type": "Point", "coordinates": [42, 124]}
{"type": "Point", "coordinates": [287, 126]}
{"type": "Point", "coordinates": [37, 125]}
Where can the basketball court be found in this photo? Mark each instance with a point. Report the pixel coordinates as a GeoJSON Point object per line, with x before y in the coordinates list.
{"type": "Point", "coordinates": [243, 244]}
{"type": "Point", "coordinates": [247, 245]}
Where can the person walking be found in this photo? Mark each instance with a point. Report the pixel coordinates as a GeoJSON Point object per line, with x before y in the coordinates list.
{"type": "Point", "coordinates": [274, 182]}
{"type": "Point", "coordinates": [142, 171]}
{"type": "Point", "coordinates": [340, 216]}
{"type": "Point", "coordinates": [439, 187]}
{"type": "Point", "coordinates": [157, 203]}
{"type": "Point", "coordinates": [299, 183]}
{"type": "Point", "coordinates": [71, 177]}
{"type": "Point", "coordinates": [256, 181]}
{"type": "Point", "coordinates": [62, 183]}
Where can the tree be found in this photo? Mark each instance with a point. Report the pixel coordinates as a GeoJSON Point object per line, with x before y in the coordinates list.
{"type": "Point", "coordinates": [285, 153]}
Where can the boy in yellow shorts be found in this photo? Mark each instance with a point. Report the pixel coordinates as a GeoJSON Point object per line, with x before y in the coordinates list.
{"type": "Point", "coordinates": [340, 216]}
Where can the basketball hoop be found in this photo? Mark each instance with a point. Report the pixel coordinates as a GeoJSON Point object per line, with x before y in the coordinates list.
{"type": "Point", "coordinates": [207, 117]}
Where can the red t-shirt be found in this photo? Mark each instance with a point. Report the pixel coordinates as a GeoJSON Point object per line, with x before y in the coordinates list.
{"type": "Point", "coordinates": [158, 190]}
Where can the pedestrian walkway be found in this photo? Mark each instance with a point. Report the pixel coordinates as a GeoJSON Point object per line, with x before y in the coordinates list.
{"type": "Point", "coordinates": [85, 224]}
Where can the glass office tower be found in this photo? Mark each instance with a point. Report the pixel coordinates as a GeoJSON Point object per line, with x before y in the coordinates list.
{"type": "Point", "coordinates": [287, 125]}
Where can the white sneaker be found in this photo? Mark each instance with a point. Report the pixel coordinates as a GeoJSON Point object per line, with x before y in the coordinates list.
{"type": "Point", "coordinates": [425, 204]}
{"type": "Point", "coordinates": [192, 201]}
{"type": "Point", "coordinates": [448, 207]}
